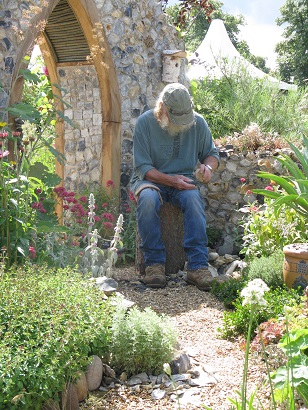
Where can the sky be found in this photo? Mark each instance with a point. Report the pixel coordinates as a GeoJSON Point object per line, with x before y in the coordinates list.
{"type": "Point", "coordinates": [261, 31]}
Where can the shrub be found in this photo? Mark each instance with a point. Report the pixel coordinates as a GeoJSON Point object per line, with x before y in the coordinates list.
{"type": "Point", "coordinates": [266, 232]}
{"type": "Point", "coordinates": [231, 103]}
{"type": "Point", "coordinates": [269, 269]}
{"type": "Point", "coordinates": [236, 322]}
{"type": "Point", "coordinates": [141, 341]}
{"type": "Point", "coordinates": [50, 322]}
{"type": "Point", "coordinates": [227, 292]}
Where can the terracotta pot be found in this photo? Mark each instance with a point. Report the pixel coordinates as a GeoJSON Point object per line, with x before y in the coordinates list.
{"type": "Point", "coordinates": [295, 265]}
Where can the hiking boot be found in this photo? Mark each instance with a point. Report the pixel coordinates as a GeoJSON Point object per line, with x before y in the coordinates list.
{"type": "Point", "coordinates": [155, 276]}
{"type": "Point", "coordinates": [202, 278]}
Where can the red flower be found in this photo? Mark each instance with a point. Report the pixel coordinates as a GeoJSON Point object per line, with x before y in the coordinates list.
{"type": "Point", "coordinates": [132, 197]}
{"type": "Point", "coordinates": [108, 216]}
{"type": "Point", "coordinates": [243, 180]}
{"type": "Point", "coordinates": [4, 134]}
{"type": "Point", "coordinates": [32, 252]}
{"type": "Point", "coordinates": [248, 192]}
{"type": "Point", "coordinates": [108, 225]}
{"type": "Point", "coordinates": [110, 183]}
{"type": "Point", "coordinates": [105, 205]}
{"type": "Point", "coordinates": [83, 199]}
{"type": "Point", "coordinates": [269, 188]}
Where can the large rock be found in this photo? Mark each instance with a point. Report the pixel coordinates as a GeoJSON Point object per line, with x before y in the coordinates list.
{"type": "Point", "coordinates": [69, 398]}
{"type": "Point", "coordinates": [82, 387]}
{"type": "Point", "coordinates": [94, 373]}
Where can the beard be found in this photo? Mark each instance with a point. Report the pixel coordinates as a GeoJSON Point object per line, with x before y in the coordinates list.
{"type": "Point", "coordinates": [171, 128]}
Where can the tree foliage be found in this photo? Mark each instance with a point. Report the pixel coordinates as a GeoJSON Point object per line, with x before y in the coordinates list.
{"type": "Point", "coordinates": [293, 50]}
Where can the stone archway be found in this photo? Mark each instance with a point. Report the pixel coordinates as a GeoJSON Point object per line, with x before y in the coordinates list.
{"type": "Point", "coordinates": [107, 139]}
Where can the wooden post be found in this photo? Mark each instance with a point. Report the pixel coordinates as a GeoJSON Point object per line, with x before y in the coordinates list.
{"type": "Point", "coordinates": [172, 224]}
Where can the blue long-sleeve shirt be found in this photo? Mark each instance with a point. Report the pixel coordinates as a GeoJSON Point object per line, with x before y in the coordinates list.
{"type": "Point", "coordinates": [173, 155]}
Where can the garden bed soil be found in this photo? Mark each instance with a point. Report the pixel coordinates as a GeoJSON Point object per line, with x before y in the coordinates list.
{"type": "Point", "coordinates": [198, 315]}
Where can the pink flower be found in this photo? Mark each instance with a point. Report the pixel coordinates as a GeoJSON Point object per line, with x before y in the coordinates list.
{"type": "Point", "coordinates": [105, 205]}
{"type": "Point", "coordinates": [108, 225]}
{"type": "Point", "coordinates": [269, 188]}
{"type": "Point", "coordinates": [108, 216]}
{"type": "Point", "coordinates": [61, 191]}
{"type": "Point", "coordinates": [38, 191]}
{"type": "Point", "coordinates": [4, 134]}
{"type": "Point", "coordinates": [243, 180]}
{"type": "Point", "coordinates": [4, 154]}
{"type": "Point", "coordinates": [110, 183]}
{"type": "Point", "coordinates": [83, 199]}
{"type": "Point", "coordinates": [32, 252]}
{"type": "Point", "coordinates": [248, 192]}
{"type": "Point", "coordinates": [97, 218]}
{"type": "Point", "coordinates": [132, 197]}
{"type": "Point", "coordinates": [45, 71]}
{"type": "Point", "coordinates": [42, 210]}
{"type": "Point", "coordinates": [128, 210]}
{"type": "Point", "coordinates": [71, 200]}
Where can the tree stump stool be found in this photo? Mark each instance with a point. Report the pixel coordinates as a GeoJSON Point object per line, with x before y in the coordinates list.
{"type": "Point", "coordinates": [172, 224]}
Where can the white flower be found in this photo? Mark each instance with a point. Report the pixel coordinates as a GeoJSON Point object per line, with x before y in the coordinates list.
{"type": "Point", "coordinates": [253, 293]}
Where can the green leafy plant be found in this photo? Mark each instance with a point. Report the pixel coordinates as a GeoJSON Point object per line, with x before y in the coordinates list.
{"type": "Point", "coordinates": [214, 235]}
{"type": "Point", "coordinates": [27, 201]}
{"type": "Point", "coordinates": [292, 191]}
{"type": "Point", "coordinates": [236, 322]}
{"type": "Point", "coordinates": [294, 375]}
{"type": "Point", "coordinates": [141, 341]}
{"type": "Point", "coordinates": [129, 231]}
{"type": "Point", "coordinates": [266, 232]}
{"type": "Point", "coordinates": [268, 268]}
{"type": "Point", "coordinates": [227, 292]}
{"type": "Point", "coordinates": [51, 321]}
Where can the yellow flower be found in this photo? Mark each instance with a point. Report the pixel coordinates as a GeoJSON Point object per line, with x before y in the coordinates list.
{"type": "Point", "coordinates": [3, 124]}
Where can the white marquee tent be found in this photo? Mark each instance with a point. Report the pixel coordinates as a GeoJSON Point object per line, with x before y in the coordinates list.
{"type": "Point", "coordinates": [217, 55]}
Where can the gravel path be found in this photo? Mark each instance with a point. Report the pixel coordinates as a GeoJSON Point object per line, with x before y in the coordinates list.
{"type": "Point", "coordinates": [197, 315]}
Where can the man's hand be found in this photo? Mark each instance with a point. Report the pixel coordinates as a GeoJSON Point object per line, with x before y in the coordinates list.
{"type": "Point", "coordinates": [203, 174]}
{"type": "Point", "coordinates": [183, 183]}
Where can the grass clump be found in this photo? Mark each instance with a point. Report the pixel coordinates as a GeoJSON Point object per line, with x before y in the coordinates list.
{"type": "Point", "coordinates": [51, 321]}
{"type": "Point", "coordinates": [141, 341]}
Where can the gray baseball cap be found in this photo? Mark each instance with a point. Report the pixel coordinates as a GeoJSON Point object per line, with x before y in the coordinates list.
{"type": "Point", "coordinates": [179, 104]}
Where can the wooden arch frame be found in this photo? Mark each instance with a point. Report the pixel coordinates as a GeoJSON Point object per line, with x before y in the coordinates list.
{"type": "Point", "coordinates": [87, 15]}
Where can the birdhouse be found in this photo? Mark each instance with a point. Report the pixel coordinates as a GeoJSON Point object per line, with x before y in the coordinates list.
{"type": "Point", "coordinates": [172, 60]}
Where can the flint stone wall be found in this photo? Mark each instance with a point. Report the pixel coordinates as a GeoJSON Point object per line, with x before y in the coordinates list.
{"type": "Point", "coordinates": [228, 192]}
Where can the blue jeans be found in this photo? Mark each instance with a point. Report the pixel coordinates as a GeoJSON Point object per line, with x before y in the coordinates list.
{"type": "Point", "coordinates": [149, 225]}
